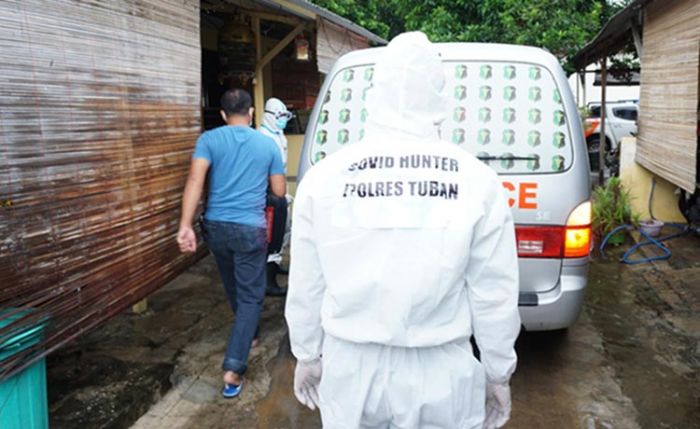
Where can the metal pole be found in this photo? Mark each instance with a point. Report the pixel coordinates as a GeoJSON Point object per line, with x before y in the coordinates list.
{"type": "Point", "coordinates": [583, 86]}
{"type": "Point", "coordinates": [578, 88]}
{"type": "Point", "coordinates": [603, 108]}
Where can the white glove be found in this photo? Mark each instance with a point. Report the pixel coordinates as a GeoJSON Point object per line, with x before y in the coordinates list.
{"type": "Point", "coordinates": [307, 377]}
{"type": "Point", "coordinates": [498, 405]}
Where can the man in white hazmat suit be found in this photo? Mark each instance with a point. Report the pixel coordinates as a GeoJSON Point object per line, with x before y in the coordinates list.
{"type": "Point", "coordinates": [402, 247]}
{"type": "Point", "coordinates": [274, 122]}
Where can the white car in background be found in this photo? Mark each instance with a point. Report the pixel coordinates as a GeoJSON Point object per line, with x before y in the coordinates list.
{"type": "Point", "coordinates": [620, 121]}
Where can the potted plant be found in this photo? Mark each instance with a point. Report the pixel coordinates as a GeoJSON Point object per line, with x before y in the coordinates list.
{"type": "Point", "coordinates": [651, 227]}
{"type": "Point", "coordinates": [612, 208]}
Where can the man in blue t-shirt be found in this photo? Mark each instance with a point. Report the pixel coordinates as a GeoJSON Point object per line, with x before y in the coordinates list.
{"type": "Point", "coordinates": [242, 163]}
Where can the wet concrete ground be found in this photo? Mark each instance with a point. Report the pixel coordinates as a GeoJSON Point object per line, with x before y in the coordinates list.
{"type": "Point", "coordinates": [631, 361]}
{"type": "Point", "coordinates": [648, 316]}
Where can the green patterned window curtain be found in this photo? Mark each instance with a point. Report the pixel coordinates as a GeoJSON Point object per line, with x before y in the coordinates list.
{"type": "Point", "coordinates": [508, 114]}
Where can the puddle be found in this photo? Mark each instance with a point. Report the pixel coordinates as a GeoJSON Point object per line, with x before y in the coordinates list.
{"type": "Point", "coordinates": [280, 408]}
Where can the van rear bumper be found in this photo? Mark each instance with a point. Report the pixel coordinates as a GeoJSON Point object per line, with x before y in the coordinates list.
{"type": "Point", "coordinates": [558, 308]}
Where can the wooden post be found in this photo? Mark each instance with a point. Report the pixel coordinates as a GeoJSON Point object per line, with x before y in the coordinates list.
{"type": "Point", "coordinates": [263, 60]}
{"type": "Point", "coordinates": [258, 86]}
{"type": "Point", "coordinates": [637, 38]}
{"type": "Point", "coordinates": [272, 53]}
{"type": "Point", "coordinates": [601, 145]}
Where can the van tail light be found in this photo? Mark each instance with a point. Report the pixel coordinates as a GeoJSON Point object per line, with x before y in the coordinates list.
{"type": "Point", "coordinates": [570, 241]}
{"type": "Point", "coordinates": [539, 241]}
{"type": "Point", "coordinates": [577, 243]}
{"type": "Point", "coordinates": [590, 125]}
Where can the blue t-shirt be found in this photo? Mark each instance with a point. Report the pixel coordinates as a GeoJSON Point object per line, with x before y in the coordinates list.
{"type": "Point", "coordinates": [241, 160]}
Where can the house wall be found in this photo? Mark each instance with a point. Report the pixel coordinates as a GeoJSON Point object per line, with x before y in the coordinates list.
{"type": "Point", "coordinates": [638, 181]}
{"type": "Point", "coordinates": [99, 112]}
{"type": "Point", "coordinates": [667, 143]}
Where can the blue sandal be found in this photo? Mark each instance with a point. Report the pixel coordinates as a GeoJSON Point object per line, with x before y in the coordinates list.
{"type": "Point", "coordinates": [231, 390]}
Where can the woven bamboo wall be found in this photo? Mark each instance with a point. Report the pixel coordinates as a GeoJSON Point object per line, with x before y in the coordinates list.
{"type": "Point", "coordinates": [99, 112]}
{"type": "Point", "coordinates": [667, 141]}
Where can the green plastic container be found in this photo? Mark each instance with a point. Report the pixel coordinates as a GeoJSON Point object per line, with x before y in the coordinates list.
{"type": "Point", "coordinates": [23, 398]}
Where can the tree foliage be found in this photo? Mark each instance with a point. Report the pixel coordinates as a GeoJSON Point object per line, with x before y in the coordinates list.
{"type": "Point", "coordinates": [561, 26]}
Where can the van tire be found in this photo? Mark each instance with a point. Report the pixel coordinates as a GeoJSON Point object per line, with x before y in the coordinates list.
{"type": "Point", "coordinates": [593, 143]}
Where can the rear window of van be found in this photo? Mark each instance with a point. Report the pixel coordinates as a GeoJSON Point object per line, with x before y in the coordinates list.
{"type": "Point", "coordinates": [510, 115]}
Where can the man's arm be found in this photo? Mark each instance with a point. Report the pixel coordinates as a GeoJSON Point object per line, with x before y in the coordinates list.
{"type": "Point", "coordinates": [278, 185]}
{"type": "Point", "coordinates": [306, 283]}
{"type": "Point", "coordinates": [492, 281]}
{"type": "Point", "coordinates": [186, 238]}
{"type": "Point", "coordinates": [278, 178]}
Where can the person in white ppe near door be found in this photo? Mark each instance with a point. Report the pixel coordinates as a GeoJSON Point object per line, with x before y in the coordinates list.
{"type": "Point", "coordinates": [403, 247]}
{"type": "Point", "coordinates": [274, 122]}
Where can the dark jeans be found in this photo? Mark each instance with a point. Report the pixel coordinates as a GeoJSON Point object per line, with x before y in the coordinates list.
{"type": "Point", "coordinates": [241, 255]}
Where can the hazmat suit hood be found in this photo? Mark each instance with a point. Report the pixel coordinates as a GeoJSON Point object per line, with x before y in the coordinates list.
{"type": "Point", "coordinates": [275, 110]}
{"type": "Point", "coordinates": [408, 93]}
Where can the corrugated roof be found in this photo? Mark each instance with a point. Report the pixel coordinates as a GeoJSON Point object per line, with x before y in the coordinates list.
{"type": "Point", "coordinates": [616, 33]}
{"type": "Point", "coordinates": [328, 15]}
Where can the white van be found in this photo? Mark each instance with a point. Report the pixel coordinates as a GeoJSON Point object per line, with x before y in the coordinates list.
{"type": "Point", "coordinates": [511, 106]}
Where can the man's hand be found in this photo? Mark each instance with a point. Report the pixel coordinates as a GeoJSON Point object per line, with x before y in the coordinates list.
{"type": "Point", "coordinates": [498, 405]}
{"type": "Point", "coordinates": [187, 240]}
{"type": "Point", "coordinates": [307, 377]}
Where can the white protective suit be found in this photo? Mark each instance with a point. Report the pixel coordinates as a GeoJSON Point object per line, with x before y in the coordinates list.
{"type": "Point", "coordinates": [402, 247]}
{"type": "Point", "coordinates": [274, 108]}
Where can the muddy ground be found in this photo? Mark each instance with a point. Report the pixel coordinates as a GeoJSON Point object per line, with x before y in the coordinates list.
{"type": "Point", "coordinates": [631, 361]}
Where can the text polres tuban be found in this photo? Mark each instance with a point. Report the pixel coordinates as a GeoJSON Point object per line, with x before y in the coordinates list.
{"type": "Point", "coordinates": [419, 188]}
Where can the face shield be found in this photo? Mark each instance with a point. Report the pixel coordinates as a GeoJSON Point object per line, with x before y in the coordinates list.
{"type": "Point", "coordinates": [281, 118]}
{"type": "Point", "coordinates": [276, 114]}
